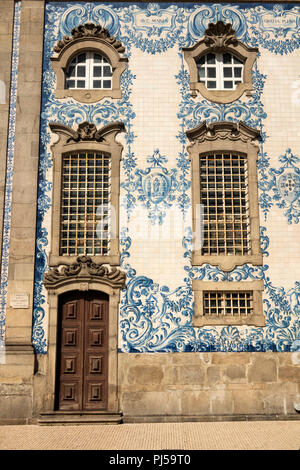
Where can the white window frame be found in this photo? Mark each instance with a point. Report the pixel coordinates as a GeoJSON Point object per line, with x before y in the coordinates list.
{"type": "Point", "coordinates": [89, 71]}
{"type": "Point", "coordinates": [219, 66]}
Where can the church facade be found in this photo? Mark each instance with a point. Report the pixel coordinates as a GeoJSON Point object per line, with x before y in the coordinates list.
{"type": "Point", "coordinates": [150, 199]}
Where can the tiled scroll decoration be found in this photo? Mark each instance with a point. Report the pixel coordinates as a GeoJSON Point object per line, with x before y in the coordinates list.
{"type": "Point", "coordinates": [152, 317]}
{"type": "Point", "coordinates": [9, 170]}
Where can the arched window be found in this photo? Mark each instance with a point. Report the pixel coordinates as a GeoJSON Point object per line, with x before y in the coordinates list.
{"type": "Point", "coordinates": [220, 65]}
{"type": "Point", "coordinates": [89, 70]}
{"type": "Point", "coordinates": [88, 64]}
{"type": "Point", "coordinates": [220, 71]}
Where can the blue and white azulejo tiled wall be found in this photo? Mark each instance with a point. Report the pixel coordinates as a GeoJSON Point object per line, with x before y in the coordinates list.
{"type": "Point", "coordinates": [9, 170]}
{"type": "Point", "coordinates": [157, 109]}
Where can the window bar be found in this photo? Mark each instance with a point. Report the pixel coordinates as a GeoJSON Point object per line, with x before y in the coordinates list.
{"type": "Point", "coordinates": [69, 205]}
{"type": "Point", "coordinates": [227, 303]}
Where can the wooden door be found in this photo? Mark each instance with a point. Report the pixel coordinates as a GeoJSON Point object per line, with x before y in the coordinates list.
{"type": "Point", "coordinates": [82, 374]}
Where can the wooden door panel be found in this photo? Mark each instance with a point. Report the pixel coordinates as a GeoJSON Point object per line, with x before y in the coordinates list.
{"type": "Point", "coordinates": [70, 311]}
{"type": "Point", "coordinates": [70, 376]}
{"type": "Point", "coordinates": [96, 311]}
{"type": "Point", "coordinates": [83, 373]}
{"type": "Point", "coordinates": [69, 393]}
{"type": "Point", "coordinates": [95, 337]}
{"type": "Point", "coordinates": [95, 395]}
{"type": "Point", "coordinates": [95, 365]}
{"type": "Point", "coordinates": [70, 337]}
{"type": "Point", "coordinates": [96, 354]}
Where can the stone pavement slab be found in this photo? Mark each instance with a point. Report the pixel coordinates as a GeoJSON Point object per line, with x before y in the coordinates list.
{"type": "Point", "coordinates": [236, 435]}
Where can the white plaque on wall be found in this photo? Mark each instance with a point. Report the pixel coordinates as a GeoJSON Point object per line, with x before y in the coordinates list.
{"type": "Point", "coordinates": [19, 300]}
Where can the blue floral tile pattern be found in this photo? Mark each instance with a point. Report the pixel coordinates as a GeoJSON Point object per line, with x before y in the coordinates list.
{"type": "Point", "coordinates": [9, 169]}
{"type": "Point", "coordinates": [154, 317]}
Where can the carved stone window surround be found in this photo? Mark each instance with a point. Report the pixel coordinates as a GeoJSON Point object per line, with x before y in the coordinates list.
{"type": "Point", "coordinates": [220, 38]}
{"type": "Point", "coordinates": [226, 137]}
{"type": "Point", "coordinates": [86, 138]}
{"type": "Point", "coordinates": [95, 39]}
{"type": "Point", "coordinates": [256, 318]}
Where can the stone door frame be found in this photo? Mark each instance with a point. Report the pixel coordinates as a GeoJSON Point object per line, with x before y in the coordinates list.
{"type": "Point", "coordinates": [82, 276]}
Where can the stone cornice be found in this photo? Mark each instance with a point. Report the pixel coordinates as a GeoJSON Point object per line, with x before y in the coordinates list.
{"type": "Point", "coordinates": [87, 132]}
{"type": "Point", "coordinates": [223, 130]}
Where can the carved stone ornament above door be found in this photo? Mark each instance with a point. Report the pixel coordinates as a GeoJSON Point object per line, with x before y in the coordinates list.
{"type": "Point", "coordinates": [84, 270]}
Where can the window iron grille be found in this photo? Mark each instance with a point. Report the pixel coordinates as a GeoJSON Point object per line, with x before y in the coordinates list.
{"type": "Point", "coordinates": [85, 204]}
{"type": "Point", "coordinates": [225, 303]}
{"type": "Point", "coordinates": [224, 195]}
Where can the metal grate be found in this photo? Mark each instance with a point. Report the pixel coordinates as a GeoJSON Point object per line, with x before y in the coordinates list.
{"type": "Point", "coordinates": [224, 194]}
{"type": "Point", "coordinates": [85, 204]}
{"type": "Point", "coordinates": [227, 303]}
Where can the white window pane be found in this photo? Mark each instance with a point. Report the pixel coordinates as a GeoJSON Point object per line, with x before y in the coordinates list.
{"type": "Point", "coordinates": [80, 71]}
{"type": "Point", "coordinates": [228, 84]}
{"type": "Point", "coordinates": [97, 71]}
{"type": "Point", "coordinates": [81, 58]}
{"type": "Point", "coordinates": [106, 83]}
{"type": "Point", "coordinates": [97, 84]}
{"type": "Point", "coordinates": [201, 72]}
{"type": "Point", "coordinates": [107, 71]}
{"type": "Point", "coordinates": [227, 58]}
{"type": "Point", "coordinates": [97, 58]}
{"type": "Point", "coordinates": [210, 58]}
{"type": "Point", "coordinates": [70, 83]}
{"type": "Point", "coordinates": [211, 84]}
{"type": "Point", "coordinates": [211, 72]}
{"type": "Point", "coordinates": [227, 72]}
{"type": "Point", "coordinates": [71, 71]}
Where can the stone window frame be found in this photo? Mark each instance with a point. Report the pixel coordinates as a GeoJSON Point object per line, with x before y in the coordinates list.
{"type": "Point", "coordinates": [86, 138]}
{"type": "Point", "coordinates": [226, 137]}
{"type": "Point", "coordinates": [88, 37]}
{"type": "Point", "coordinates": [220, 38]}
{"type": "Point", "coordinates": [257, 318]}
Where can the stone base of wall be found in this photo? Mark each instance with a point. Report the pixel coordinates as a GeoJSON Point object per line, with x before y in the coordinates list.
{"type": "Point", "coordinates": [16, 378]}
{"type": "Point", "coordinates": [209, 386]}
{"type": "Point", "coordinates": [173, 387]}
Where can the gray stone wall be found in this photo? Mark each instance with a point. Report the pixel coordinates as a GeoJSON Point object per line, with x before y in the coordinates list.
{"type": "Point", "coordinates": [162, 387]}
{"type": "Point", "coordinates": [6, 32]}
{"type": "Point", "coordinates": [17, 360]}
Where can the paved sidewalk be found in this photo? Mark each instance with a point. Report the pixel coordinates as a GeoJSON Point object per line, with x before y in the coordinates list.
{"type": "Point", "coordinates": [237, 435]}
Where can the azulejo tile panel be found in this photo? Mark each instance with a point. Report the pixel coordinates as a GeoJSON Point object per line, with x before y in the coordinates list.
{"type": "Point", "coordinates": [9, 170]}
{"type": "Point", "coordinates": [154, 317]}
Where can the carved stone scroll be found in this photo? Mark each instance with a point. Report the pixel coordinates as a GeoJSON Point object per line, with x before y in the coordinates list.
{"type": "Point", "coordinates": [84, 269]}
{"type": "Point", "coordinates": [90, 31]}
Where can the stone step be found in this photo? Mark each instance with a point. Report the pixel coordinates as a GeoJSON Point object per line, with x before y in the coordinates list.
{"type": "Point", "coordinates": [75, 418]}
